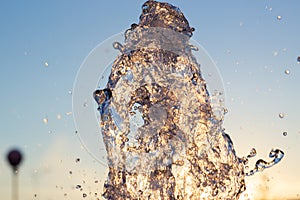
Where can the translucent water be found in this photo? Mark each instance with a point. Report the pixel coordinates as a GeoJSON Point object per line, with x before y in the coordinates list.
{"type": "Point", "coordinates": [260, 164]}
{"type": "Point", "coordinates": [163, 138]}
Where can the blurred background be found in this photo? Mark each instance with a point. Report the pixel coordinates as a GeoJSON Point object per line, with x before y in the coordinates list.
{"type": "Point", "coordinates": [42, 45]}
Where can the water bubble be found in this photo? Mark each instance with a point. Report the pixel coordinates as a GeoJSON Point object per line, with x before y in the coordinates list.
{"type": "Point", "coordinates": [279, 17]}
{"type": "Point", "coordinates": [77, 160]}
{"type": "Point", "coordinates": [46, 64]}
{"type": "Point", "coordinates": [284, 133]}
{"type": "Point", "coordinates": [281, 115]}
{"type": "Point", "coordinates": [70, 172]}
{"type": "Point", "coordinates": [84, 195]}
{"type": "Point", "coordinates": [287, 72]}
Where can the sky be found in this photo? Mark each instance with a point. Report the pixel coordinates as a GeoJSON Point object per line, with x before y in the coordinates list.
{"type": "Point", "coordinates": [43, 45]}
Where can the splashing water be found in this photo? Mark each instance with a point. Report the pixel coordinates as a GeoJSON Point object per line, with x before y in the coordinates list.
{"type": "Point", "coordinates": [163, 138]}
{"type": "Point", "coordinates": [260, 164]}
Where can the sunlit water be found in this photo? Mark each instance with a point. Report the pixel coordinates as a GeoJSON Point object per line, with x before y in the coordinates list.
{"type": "Point", "coordinates": [163, 137]}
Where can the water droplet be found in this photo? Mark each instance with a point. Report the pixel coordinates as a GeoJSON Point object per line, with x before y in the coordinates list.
{"type": "Point", "coordinates": [260, 164]}
{"type": "Point", "coordinates": [269, 8]}
{"type": "Point", "coordinates": [298, 59]}
{"type": "Point", "coordinates": [70, 172]}
{"type": "Point", "coordinates": [281, 115]}
{"type": "Point", "coordinates": [70, 92]}
{"type": "Point", "coordinates": [84, 195]}
{"type": "Point", "coordinates": [225, 111]}
{"type": "Point", "coordinates": [145, 8]}
{"type": "Point", "coordinates": [275, 53]}
{"type": "Point", "coordinates": [133, 26]}
{"type": "Point", "coordinates": [45, 120]}
{"type": "Point", "coordinates": [68, 113]}
{"type": "Point", "coordinates": [58, 116]}
{"type": "Point", "coordinates": [194, 48]}
{"type": "Point", "coordinates": [252, 153]}
{"type": "Point", "coordinates": [46, 64]}
{"type": "Point", "coordinates": [118, 46]}
{"type": "Point", "coordinates": [85, 104]}
{"type": "Point", "coordinates": [77, 160]}
{"type": "Point", "coordinates": [284, 133]}
{"type": "Point", "coordinates": [279, 17]}
{"type": "Point", "coordinates": [287, 72]}
{"type": "Point", "coordinates": [78, 186]}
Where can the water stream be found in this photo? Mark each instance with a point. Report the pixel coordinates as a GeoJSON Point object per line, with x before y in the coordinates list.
{"type": "Point", "coordinates": [163, 138]}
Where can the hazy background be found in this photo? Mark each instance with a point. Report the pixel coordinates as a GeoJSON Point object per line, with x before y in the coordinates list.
{"type": "Point", "coordinates": [43, 43]}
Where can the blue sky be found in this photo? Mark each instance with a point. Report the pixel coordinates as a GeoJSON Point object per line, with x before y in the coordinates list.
{"type": "Point", "coordinates": [250, 46]}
